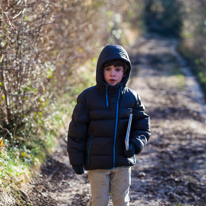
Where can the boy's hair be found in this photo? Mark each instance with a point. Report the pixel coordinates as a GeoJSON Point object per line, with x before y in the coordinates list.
{"type": "Point", "coordinates": [117, 62]}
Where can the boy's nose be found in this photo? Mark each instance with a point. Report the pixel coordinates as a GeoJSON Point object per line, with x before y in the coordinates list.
{"type": "Point", "coordinates": [112, 73]}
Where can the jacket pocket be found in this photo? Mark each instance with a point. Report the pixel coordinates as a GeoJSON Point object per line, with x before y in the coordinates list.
{"type": "Point", "coordinates": [90, 144]}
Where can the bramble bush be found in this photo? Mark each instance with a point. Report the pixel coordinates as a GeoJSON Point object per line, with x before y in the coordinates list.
{"type": "Point", "coordinates": [42, 45]}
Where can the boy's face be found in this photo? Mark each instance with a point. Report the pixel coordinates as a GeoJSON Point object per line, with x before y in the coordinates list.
{"type": "Point", "coordinates": [113, 74]}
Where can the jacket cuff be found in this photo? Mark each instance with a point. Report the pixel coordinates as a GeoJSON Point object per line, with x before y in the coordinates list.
{"type": "Point", "coordinates": [138, 145]}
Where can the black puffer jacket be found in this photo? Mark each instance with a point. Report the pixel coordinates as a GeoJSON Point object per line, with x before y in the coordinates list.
{"type": "Point", "coordinates": [99, 121]}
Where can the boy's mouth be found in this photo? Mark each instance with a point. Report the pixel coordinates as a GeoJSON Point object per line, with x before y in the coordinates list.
{"type": "Point", "coordinates": [112, 80]}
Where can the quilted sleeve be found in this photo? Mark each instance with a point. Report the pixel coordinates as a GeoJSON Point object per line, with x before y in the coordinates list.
{"type": "Point", "coordinates": [77, 134]}
{"type": "Point", "coordinates": [140, 129]}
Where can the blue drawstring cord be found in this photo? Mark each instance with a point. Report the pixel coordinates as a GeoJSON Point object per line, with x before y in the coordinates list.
{"type": "Point", "coordinates": [107, 102]}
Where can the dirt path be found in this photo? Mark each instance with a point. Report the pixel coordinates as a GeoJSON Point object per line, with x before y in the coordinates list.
{"type": "Point", "coordinates": [172, 168]}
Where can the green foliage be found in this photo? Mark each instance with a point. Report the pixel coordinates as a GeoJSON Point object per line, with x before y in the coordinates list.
{"type": "Point", "coordinates": [29, 145]}
{"type": "Point", "coordinates": [164, 16]}
{"type": "Point", "coordinates": [11, 166]}
{"type": "Point", "coordinates": [193, 44]}
{"type": "Point", "coordinates": [177, 204]}
{"type": "Point", "coordinates": [181, 78]}
{"type": "Point", "coordinates": [197, 64]}
{"type": "Point", "coordinates": [133, 14]}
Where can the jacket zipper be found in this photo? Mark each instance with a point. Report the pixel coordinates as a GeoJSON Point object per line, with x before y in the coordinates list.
{"type": "Point", "coordinates": [90, 144]}
{"type": "Point", "coordinates": [115, 133]}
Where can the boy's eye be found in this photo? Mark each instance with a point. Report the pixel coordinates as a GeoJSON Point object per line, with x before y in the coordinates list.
{"type": "Point", "coordinates": [119, 69]}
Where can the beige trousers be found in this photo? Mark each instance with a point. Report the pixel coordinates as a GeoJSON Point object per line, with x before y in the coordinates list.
{"type": "Point", "coordinates": [115, 182]}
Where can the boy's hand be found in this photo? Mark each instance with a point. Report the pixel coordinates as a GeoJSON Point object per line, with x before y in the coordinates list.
{"type": "Point", "coordinates": [79, 170]}
{"type": "Point", "coordinates": [130, 152]}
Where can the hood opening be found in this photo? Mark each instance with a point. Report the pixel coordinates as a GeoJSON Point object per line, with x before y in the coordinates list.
{"type": "Point", "coordinates": [109, 53]}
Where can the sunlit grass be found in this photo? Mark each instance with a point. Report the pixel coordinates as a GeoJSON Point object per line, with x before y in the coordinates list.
{"type": "Point", "coordinates": [12, 169]}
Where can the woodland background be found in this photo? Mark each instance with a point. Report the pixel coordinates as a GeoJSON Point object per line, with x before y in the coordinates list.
{"type": "Point", "coordinates": [48, 53]}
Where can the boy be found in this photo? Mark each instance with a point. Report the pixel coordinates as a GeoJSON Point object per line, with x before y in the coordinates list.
{"type": "Point", "coordinates": [98, 128]}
